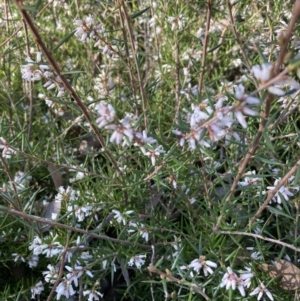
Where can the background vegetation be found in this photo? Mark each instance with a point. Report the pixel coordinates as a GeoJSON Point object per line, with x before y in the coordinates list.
{"type": "Point", "coordinates": [150, 150]}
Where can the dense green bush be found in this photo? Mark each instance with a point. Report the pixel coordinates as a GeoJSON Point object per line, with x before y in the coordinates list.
{"type": "Point", "coordinates": [149, 150]}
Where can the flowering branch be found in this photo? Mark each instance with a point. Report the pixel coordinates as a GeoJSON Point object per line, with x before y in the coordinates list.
{"type": "Point", "coordinates": [65, 82]}
{"type": "Point", "coordinates": [271, 193]}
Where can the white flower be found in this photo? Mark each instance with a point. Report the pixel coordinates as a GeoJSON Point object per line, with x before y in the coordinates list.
{"type": "Point", "coordinates": [264, 73]}
{"type": "Point", "coordinates": [229, 279]}
{"type": "Point", "coordinates": [137, 260]}
{"type": "Point", "coordinates": [65, 289]}
{"type": "Point", "coordinates": [7, 151]}
{"type": "Point", "coordinates": [155, 153]}
{"type": "Point", "coordinates": [18, 257]}
{"type": "Point", "coordinates": [53, 249]}
{"type": "Point", "coordinates": [93, 295]}
{"type": "Point", "coordinates": [33, 261]}
{"type": "Point", "coordinates": [51, 275]}
{"type": "Point", "coordinates": [68, 194]}
{"type": "Point", "coordinates": [143, 231]}
{"type": "Point", "coordinates": [201, 262]}
{"type": "Point", "coordinates": [123, 128]}
{"type": "Point", "coordinates": [80, 211]}
{"type": "Point", "coordinates": [32, 71]}
{"type": "Point", "coordinates": [107, 114]}
{"type": "Point", "coordinates": [242, 109]}
{"type": "Point", "coordinates": [249, 180]}
{"type": "Point", "coordinates": [37, 289]}
{"type": "Point", "coordinates": [37, 246]}
{"type": "Point", "coordinates": [260, 290]}
{"type": "Point", "coordinates": [282, 190]}
{"type": "Point", "coordinates": [120, 217]}
{"type": "Point", "coordinates": [74, 274]}
{"type": "Point", "coordinates": [81, 32]}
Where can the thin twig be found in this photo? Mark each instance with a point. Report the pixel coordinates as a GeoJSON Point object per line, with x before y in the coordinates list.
{"type": "Point", "coordinates": [275, 241]}
{"type": "Point", "coordinates": [73, 229]}
{"type": "Point", "coordinates": [205, 44]}
{"type": "Point", "coordinates": [61, 269]}
{"type": "Point", "coordinates": [177, 79]}
{"type": "Point", "coordinates": [288, 35]}
{"type": "Point", "coordinates": [236, 35]}
{"type": "Point", "coordinates": [169, 277]}
{"type": "Point", "coordinates": [140, 81]}
{"type": "Point", "coordinates": [249, 154]}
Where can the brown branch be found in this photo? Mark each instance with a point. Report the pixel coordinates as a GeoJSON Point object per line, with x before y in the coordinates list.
{"type": "Point", "coordinates": [288, 35]}
{"type": "Point", "coordinates": [70, 228]}
{"type": "Point", "coordinates": [140, 81]}
{"type": "Point", "coordinates": [275, 241]}
{"type": "Point", "coordinates": [249, 154]}
{"type": "Point", "coordinates": [205, 44]}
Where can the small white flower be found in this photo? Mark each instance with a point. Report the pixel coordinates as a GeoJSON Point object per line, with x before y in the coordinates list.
{"type": "Point", "coordinates": [155, 153]}
{"type": "Point", "coordinates": [201, 262]}
{"type": "Point", "coordinates": [260, 290]}
{"type": "Point", "coordinates": [93, 295]}
{"type": "Point", "coordinates": [51, 275]}
{"type": "Point", "coordinates": [264, 73]}
{"type": "Point", "coordinates": [107, 114]}
{"type": "Point", "coordinates": [282, 190]}
{"type": "Point", "coordinates": [137, 260]}
{"type": "Point", "coordinates": [68, 194]}
{"type": "Point", "coordinates": [65, 288]}
{"type": "Point", "coordinates": [120, 217]}
{"type": "Point", "coordinates": [143, 231]}
{"type": "Point", "coordinates": [81, 212]}
{"type": "Point", "coordinates": [37, 246]}
{"type": "Point", "coordinates": [37, 289]}
{"type": "Point", "coordinates": [7, 151]}
{"type": "Point", "coordinates": [18, 257]}
{"type": "Point", "coordinates": [33, 261]}
{"type": "Point", "coordinates": [229, 279]}
{"type": "Point", "coordinates": [249, 180]}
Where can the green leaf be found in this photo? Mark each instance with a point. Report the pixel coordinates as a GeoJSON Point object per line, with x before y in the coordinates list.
{"type": "Point", "coordinates": [63, 40]}
{"type": "Point", "coordinates": [264, 160]}
{"type": "Point", "coordinates": [268, 142]}
{"type": "Point", "coordinates": [279, 212]}
{"type": "Point", "coordinates": [139, 13]}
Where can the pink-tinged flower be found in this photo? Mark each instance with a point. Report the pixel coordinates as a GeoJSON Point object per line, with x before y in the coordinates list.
{"type": "Point", "coordinates": [261, 290]}
{"type": "Point", "coordinates": [123, 128]}
{"type": "Point", "coordinates": [229, 280]}
{"type": "Point", "coordinates": [33, 71]}
{"type": "Point", "coordinates": [84, 27]}
{"type": "Point", "coordinates": [107, 114]}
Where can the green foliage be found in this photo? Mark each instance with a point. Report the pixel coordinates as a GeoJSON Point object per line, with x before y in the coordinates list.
{"type": "Point", "coordinates": [159, 197]}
